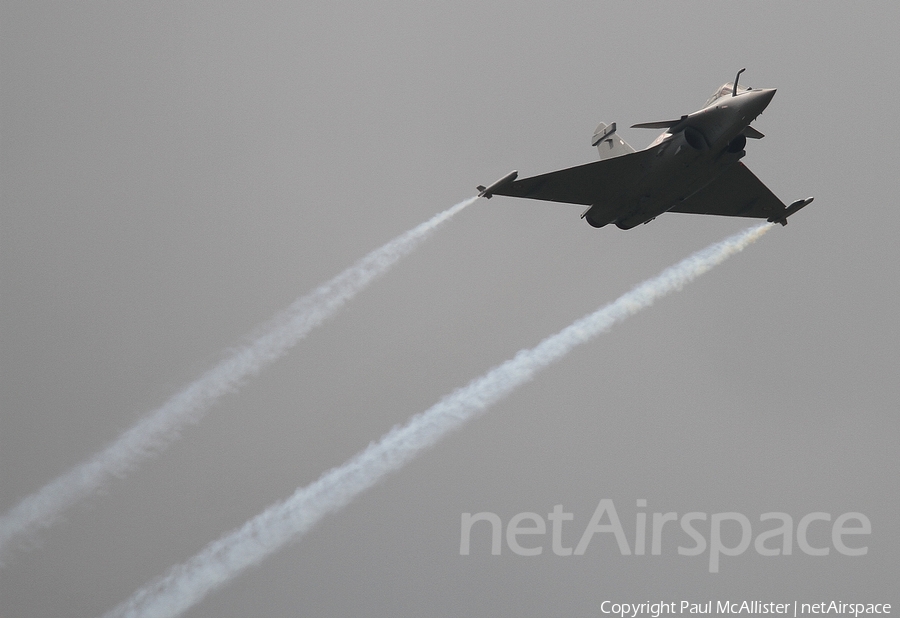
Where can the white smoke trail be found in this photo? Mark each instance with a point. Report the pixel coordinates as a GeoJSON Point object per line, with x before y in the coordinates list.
{"type": "Point", "coordinates": [188, 583]}
{"type": "Point", "coordinates": [160, 428]}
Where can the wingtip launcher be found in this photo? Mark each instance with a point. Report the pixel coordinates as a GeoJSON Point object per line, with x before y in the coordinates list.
{"type": "Point", "coordinates": [790, 210]}
{"type": "Point", "coordinates": [488, 192]}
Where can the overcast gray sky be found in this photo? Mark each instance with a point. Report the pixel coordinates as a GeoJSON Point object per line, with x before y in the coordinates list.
{"type": "Point", "coordinates": [175, 174]}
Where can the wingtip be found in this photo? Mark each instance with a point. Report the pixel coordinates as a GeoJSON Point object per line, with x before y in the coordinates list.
{"type": "Point", "coordinates": [793, 208]}
{"type": "Point", "coordinates": [488, 192]}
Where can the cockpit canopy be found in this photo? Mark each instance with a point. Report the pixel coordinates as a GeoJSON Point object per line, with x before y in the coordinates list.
{"type": "Point", "coordinates": [725, 91]}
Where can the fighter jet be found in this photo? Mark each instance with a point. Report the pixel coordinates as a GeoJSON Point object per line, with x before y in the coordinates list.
{"type": "Point", "coordinates": [693, 167]}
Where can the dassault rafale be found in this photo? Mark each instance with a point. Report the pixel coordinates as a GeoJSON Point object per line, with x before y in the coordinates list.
{"type": "Point", "coordinates": [693, 167]}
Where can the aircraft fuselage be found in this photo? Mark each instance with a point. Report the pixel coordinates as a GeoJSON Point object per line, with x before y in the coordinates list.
{"type": "Point", "coordinates": [688, 156]}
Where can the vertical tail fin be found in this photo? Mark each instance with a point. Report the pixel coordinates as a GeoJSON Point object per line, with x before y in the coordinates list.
{"type": "Point", "coordinates": [608, 143]}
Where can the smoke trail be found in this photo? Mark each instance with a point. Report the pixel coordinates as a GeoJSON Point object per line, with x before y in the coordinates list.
{"type": "Point", "coordinates": [160, 428]}
{"type": "Point", "coordinates": [186, 584]}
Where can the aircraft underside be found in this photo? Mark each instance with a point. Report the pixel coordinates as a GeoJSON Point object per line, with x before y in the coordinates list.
{"type": "Point", "coordinates": [693, 167]}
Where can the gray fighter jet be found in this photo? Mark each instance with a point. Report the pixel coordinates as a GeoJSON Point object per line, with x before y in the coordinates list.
{"type": "Point", "coordinates": [693, 167]}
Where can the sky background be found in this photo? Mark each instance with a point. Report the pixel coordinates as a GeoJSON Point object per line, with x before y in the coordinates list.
{"type": "Point", "coordinates": [174, 174]}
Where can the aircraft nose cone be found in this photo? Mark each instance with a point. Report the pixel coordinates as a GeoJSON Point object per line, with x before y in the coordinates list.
{"type": "Point", "coordinates": [758, 100]}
